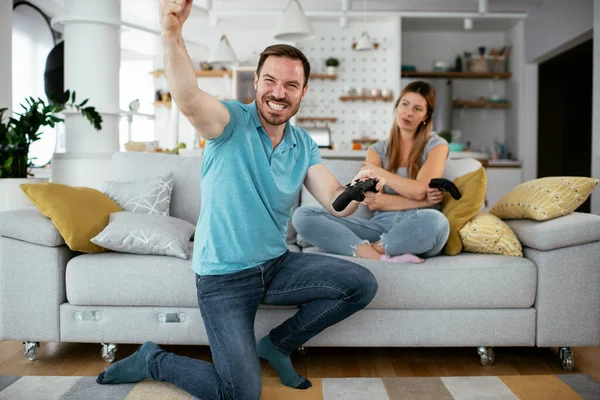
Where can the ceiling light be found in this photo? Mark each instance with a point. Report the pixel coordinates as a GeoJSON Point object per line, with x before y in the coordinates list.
{"type": "Point", "coordinates": [294, 25]}
{"type": "Point", "coordinates": [223, 53]}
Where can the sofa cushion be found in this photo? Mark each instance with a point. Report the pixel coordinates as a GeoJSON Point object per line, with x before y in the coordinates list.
{"type": "Point", "coordinates": [79, 213]}
{"type": "Point", "coordinates": [488, 234]}
{"type": "Point", "coordinates": [30, 226]}
{"type": "Point", "coordinates": [545, 198]}
{"type": "Point", "coordinates": [472, 187]}
{"type": "Point", "coordinates": [569, 230]}
{"type": "Point", "coordinates": [185, 198]}
{"type": "Point", "coordinates": [129, 232]}
{"type": "Point", "coordinates": [144, 196]}
{"type": "Point", "coordinates": [463, 281]}
{"type": "Point", "coordinates": [467, 280]}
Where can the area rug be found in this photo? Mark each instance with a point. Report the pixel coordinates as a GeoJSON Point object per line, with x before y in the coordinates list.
{"type": "Point", "coordinates": [522, 387]}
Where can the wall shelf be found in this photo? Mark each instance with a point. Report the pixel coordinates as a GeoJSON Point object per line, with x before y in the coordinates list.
{"type": "Point", "coordinates": [457, 75]}
{"type": "Point", "coordinates": [316, 119]}
{"type": "Point", "coordinates": [366, 98]}
{"type": "Point", "coordinates": [332, 77]}
{"type": "Point", "coordinates": [199, 73]}
{"type": "Point", "coordinates": [479, 104]}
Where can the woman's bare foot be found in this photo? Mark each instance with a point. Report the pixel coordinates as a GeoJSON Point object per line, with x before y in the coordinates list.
{"type": "Point", "coordinates": [378, 247]}
{"type": "Point", "coordinates": [406, 258]}
{"type": "Point", "coordinates": [366, 251]}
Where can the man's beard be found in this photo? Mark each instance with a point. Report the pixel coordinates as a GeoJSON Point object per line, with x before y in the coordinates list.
{"type": "Point", "coordinates": [264, 110]}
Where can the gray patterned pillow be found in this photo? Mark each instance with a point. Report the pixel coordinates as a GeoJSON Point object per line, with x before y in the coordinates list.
{"type": "Point", "coordinates": [136, 233]}
{"type": "Point", "coordinates": [148, 196]}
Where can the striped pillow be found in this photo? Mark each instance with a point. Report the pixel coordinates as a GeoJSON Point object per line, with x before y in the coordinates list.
{"type": "Point", "coordinates": [486, 233]}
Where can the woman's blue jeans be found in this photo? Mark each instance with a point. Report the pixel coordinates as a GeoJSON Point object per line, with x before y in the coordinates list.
{"type": "Point", "coordinates": [328, 289]}
{"type": "Point", "coordinates": [422, 232]}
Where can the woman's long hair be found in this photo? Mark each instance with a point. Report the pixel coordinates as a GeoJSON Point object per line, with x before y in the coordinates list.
{"type": "Point", "coordinates": [421, 135]}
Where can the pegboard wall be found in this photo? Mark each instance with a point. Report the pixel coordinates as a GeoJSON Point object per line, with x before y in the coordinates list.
{"type": "Point", "coordinates": [373, 69]}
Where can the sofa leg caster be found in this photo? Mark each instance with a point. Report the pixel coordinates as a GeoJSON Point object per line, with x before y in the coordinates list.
{"type": "Point", "coordinates": [301, 351]}
{"type": "Point", "coordinates": [108, 352]}
{"type": "Point", "coordinates": [566, 357]}
{"type": "Point", "coordinates": [31, 349]}
{"type": "Point", "coordinates": [486, 356]}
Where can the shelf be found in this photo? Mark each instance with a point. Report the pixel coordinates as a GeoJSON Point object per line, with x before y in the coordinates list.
{"type": "Point", "coordinates": [458, 75]}
{"type": "Point", "coordinates": [199, 73]}
{"type": "Point", "coordinates": [332, 77]}
{"type": "Point", "coordinates": [373, 98]}
{"type": "Point", "coordinates": [316, 119]}
{"type": "Point", "coordinates": [479, 104]}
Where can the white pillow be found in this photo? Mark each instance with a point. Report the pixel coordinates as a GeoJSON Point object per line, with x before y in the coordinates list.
{"type": "Point", "coordinates": [147, 196]}
{"type": "Point", "coordinates": [129, 232]}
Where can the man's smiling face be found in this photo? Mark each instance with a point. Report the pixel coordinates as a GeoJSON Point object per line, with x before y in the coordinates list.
{"type": "Point", "coordinates": [279, 89]}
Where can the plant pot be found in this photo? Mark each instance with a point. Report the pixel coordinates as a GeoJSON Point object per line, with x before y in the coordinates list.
{"type": "Point", "coordinates": [331, 70]}
{"type": "Point", "coordinates": [11, 195]}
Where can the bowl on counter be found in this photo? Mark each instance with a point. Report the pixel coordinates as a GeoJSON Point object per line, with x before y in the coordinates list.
{"type": "Point", "coordinates": [456, 146]}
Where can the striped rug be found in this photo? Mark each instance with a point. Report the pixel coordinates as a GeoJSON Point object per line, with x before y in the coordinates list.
{"type": "Point", "coordinates": [523, 387]}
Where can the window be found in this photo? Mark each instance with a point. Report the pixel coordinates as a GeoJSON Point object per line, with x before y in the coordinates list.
{"type": "Point", "coordinates": [34, 40]}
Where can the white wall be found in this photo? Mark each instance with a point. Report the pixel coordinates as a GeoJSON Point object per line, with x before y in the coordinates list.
{"type": "Point", "coordinates": [6, 52]}
{"type": "Point", "coordinates": [555, 26]}
{"type": "Point", "coordinates": [596, 109]}
{"type": "Point", "coordinates": [515, 91]}
{"type": "Point", "coordinates": [478, 126]}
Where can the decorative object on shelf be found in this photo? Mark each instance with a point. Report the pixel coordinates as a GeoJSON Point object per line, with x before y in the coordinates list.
{"type": "Point", "coordinates": [205, 66]}
{"type": "Point", "coordinates": [17, 134]}
{"type": "Point", "coordinates": [365, 43]}
{"type": "Point", "coordinates": [332, 64]}
{"type": "Point", "coordinates": [134, 105]}
{"type": "Point", "coordinates": [387, 92]}
{"type": "Point", "coordinates": [223, 53]}
{"type": "Point", "coordinates": [363, 143]}
{"type": "Point", "coordinates": [294, 25]}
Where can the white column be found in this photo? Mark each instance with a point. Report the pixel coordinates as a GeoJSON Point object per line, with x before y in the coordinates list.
{"type": "Point", "coordinates": [92, 62]}
{"type": "Point", "coordinates": [6, 58]}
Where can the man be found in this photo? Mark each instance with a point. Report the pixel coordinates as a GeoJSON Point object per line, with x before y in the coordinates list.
{"type": "Point", "coordinates": [254, 165]}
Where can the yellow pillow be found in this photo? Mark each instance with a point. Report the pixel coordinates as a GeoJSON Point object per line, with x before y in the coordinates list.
{"type": "Point", "coordinates": [486, 233]}
{"type": "Point", "coordinates": [472, 186]}
{"type": "Point", "coordinates": [544, 198]}
{"type": "Point", "coordinates": [79, 213]}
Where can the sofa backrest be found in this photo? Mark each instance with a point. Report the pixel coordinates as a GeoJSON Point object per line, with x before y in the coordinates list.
{"type": "Point", "coordinates": [185, 198]}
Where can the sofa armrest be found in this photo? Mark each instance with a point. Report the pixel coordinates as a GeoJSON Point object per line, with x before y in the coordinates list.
{"type": "Point", "coordinates": [29, 225]}
{"type": "Point", "coordinates": [569, 230]}
{"type": "Point", "coordinates": [32, 288]}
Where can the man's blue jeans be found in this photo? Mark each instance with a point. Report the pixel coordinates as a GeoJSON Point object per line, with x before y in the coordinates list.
{"type": "Point", "coordinates": [328, 289]}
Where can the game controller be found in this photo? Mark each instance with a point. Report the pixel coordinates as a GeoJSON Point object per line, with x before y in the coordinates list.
{"type": "Point", "coordinates": [445, 185]}
{"type": "Point", "coordinates": [355, 191]}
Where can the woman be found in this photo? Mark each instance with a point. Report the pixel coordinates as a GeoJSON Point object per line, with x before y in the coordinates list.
{"type": "Point", "coordinates": [407, 224]}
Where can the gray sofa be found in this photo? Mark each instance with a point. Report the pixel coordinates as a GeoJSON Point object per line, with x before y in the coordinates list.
{"type": "Point", "coordinates": [548, 298]}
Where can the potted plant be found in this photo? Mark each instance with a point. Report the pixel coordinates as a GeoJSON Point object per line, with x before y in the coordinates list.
{"type": "Point", "coordinates": [331, 65]}
{"type": "Point", "coordinates": [19, 132]}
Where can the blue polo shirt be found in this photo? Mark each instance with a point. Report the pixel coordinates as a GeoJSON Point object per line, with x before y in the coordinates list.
{"type": "Point", "coordinates": [248, 191]}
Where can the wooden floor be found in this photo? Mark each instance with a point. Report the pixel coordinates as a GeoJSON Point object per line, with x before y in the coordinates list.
{"type": "Point", "coordinates": [83, 359]}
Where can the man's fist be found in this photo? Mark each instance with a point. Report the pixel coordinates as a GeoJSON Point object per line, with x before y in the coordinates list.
{"type": "Point", "coordinates": [173, 14]}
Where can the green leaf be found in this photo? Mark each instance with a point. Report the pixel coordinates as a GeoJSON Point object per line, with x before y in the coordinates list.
{"type": "Point", "coordinates": [8, 162]}
{"type": "Point", "coordinates": [83, 103]}
{"type": "Point", "coordinates": [73, 97]}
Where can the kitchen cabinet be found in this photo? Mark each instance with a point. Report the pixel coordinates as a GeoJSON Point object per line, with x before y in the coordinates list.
{"type": "Point", "coordinates": [500, 180]}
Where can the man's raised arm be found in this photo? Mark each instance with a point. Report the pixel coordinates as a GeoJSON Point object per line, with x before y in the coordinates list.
{"type": "Point", "coordinates": [206, 113]}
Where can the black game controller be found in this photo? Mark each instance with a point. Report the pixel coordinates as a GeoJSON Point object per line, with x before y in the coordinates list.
{"type": "Point", "coordinates": [354, 191]}
{"type": "Point", "coordinates": [445, 185]}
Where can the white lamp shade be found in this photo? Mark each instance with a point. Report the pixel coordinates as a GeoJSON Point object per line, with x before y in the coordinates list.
{"type": "Point", "coordinates": [294, 26]}
{"type": "Point", "coordinates": [364, 43]}
{"type": "Point", "coordinates": [223, 53]}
